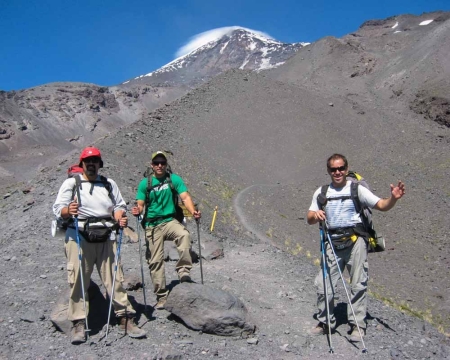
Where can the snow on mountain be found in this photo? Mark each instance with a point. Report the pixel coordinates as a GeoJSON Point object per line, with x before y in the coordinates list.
{"type": "Point", "coordinates": [229, 48]}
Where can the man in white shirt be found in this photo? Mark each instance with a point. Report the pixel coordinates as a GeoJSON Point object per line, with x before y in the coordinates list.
{"type": "Point", "coordinates": [349, 241]}
{"type": "Point", "coordinates": [98, 204]}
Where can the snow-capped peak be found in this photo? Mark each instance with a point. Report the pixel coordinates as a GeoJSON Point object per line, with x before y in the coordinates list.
{"type": "Point", "coordinates": [222, 49]}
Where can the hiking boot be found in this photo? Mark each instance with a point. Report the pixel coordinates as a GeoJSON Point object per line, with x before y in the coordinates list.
{"type": "Point", "coordinates": [160, 305]}
{"type": "Point", "coordinates": [77, 333]}
{"type": "Point", "coordinates": [128, 327]}
{"type": "Point", "coordinates": [319, 329]}
{"type": "Point", "coordinates": [354, 335]}
{"type": "Point", "coordinates": [184, 277]}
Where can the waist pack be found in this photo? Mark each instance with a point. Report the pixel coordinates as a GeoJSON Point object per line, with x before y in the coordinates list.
{"type": "Point", "coordinates": [343, 238]}
{"type": "Point", "coordinates": [96, 235]}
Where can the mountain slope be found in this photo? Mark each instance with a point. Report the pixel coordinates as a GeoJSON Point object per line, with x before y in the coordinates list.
{"type": "Point", "coordinates": [237, 49]}
{"type": "Point", "coordinates": [401, 60]}
{"type": "Point", "coordinates": [256, 148]}
{"type": "Point", "coordinates": [39, 124]}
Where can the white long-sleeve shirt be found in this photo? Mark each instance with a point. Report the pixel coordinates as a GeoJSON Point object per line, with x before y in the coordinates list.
{"type": "Point", "coordinates": [98, 204]}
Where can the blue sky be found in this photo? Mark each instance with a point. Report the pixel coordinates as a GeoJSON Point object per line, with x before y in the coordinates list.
{"type": "Point", "coordinates": [109, 42]}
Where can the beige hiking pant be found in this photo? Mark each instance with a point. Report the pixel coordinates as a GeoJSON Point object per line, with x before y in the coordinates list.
{"type": "Point", "coordinates": [101, 255]}
{"type": "Point", "coordinates": [355, 260]}
{"type": "Point", "coordinates": [155, 237]}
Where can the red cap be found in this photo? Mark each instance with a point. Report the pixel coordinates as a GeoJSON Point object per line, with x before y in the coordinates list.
{"type": "Point", "coordinates": [90, 152]}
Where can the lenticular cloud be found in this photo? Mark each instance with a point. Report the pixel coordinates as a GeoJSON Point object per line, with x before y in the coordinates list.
{"type": "Point", "coordinates": [205, 37]}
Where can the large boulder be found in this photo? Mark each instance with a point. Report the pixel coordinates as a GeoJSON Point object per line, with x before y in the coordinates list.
{"type": "Point", "coordinates": [209, 310]}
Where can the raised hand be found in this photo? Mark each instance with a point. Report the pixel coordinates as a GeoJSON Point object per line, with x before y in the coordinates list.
{"type": "Point", "coordinates": [398, 191]}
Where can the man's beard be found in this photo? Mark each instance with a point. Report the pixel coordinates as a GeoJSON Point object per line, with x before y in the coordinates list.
{"type": "Point", "coordinates": [90, 170]}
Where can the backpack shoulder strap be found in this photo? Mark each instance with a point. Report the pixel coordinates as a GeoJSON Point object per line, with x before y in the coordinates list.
{"type": "Point", "coordinates": [174, 192]}
{"type": "Point", "coordinates": [323, 195]}
{"type": "Point", "coordinates": [169, 181]}
{"type": "Point", "coordinates": [354, 196]}
{"type": "Point", "coordinates": [108, 186]}
{"type": "Point", "coordinates": [149, 176]}
{"type": "Point", "coordinates": [77, 188]}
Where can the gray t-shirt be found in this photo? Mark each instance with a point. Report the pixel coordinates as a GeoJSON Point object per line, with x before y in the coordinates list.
{"type": "Point", "coordinates": [342, 213]}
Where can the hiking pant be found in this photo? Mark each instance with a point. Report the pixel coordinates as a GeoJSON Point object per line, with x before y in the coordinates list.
{"type": "Point", "coordinates": [354, 258]}
{"type": "Point", "coordinates": [155, 237]}
{"type": "Point", "coordinates": [101, 255]}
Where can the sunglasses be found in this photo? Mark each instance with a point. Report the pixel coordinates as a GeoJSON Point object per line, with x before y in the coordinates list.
{"type": "Point", "coordinates": [91, 160]}
{"type": "Point", "coordinates": [156, 163]}
{"type": "Point", "coordinates": [334, 169]}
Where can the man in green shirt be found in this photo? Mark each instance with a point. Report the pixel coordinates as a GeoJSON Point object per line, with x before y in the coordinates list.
{"type": "Point", "coordinates": [161, 225]}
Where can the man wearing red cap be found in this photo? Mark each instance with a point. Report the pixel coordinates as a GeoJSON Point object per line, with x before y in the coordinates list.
{"type": "Point", "coordinates": [98, 204]}
{"type": "Point", "coordinates": [161, 224]}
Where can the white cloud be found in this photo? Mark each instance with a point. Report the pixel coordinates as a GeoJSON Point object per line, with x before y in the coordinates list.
{"type": "Point", "coordinates": [203, 38]}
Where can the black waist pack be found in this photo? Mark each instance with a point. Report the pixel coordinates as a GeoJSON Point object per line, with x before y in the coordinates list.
{"type": "Point", "coordinates": [342, 238]}
{"type": "Point", "coordinates": [96, 234]}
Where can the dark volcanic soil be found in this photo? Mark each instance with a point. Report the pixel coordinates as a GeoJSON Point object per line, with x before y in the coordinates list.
{"type": "Point", "coordinates": [268, 209]}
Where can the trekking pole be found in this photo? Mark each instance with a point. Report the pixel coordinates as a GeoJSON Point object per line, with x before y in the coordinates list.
{"type": "Point", "coordinates": [140, 257]}
{"type": "Point", "coordinates": [199, 248]}
{"type": "Point", "coordinates": [116, 262]}
{"type": "Point", "coordinates": [81, 275]}
{"type": "Point", "coordinates": [325, 275]}
{"type": "Point", "coordinates": [364, 350]}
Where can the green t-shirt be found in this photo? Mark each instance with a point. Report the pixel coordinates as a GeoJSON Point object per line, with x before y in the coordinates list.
{"type": "Point", "coordinates": [161, 208]}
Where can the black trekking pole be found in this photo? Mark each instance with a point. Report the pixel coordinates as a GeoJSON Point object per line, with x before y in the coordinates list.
{"type": "Point", "coordinates": [81, 275]}
{"type": "Point", "coordinates": [199, 248]}
{"type": "Point", "coordinates": [116, 263]}
{"type": "Point", "coordinates": [322, 202]}
{"type": "Point", "coordinates": [140, 258]}
{"type": "Point", "coordinates": [325, 275]}
{"type": "Point", "coordinates": [364, 350]}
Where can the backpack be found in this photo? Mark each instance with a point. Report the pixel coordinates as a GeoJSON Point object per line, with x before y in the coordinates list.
{"type": "Point", "coordinates": [74, 170]}
{"type": "Point", "coordinates": [60, 225]}
{"type": "Point", "coordinates": [376, 242]}
{"type": "Point", "coordinates": [179, 212]}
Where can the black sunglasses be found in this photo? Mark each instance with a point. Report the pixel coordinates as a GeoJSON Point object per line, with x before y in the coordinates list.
{"type": "Point", "coordinates": [340, 168]}
{"type": "Point", "coordinates": [91, 160]}
{"type": "Point", "coordinates": [156, 163]}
